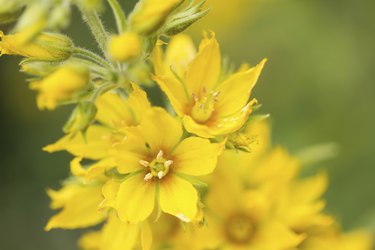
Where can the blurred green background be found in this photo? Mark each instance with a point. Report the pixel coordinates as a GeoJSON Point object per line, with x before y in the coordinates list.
{"type": "Point", "coordinates": [318, 85]}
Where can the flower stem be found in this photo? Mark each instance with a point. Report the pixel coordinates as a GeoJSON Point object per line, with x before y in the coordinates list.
{"type": "Point", "coordinates": [97, 28]}
{"type": "Point", "coordinates": [119, 15]}
{"type": "Point", "coordinates": [92, 56]}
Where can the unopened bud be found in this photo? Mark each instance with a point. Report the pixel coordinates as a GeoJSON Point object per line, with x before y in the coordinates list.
{"type": "Point", "coordinates": [81, 118]}
{"type": "Point", "coordinates": [241, 141]}
{"type": "Point", "coordinates": [182, 20]}
{"type": "Point", "coordinates": [125, 47]}
{"type": "Point", "coordinates": [61, 85]}
{"type": "Point", "coordinates": [37, 68]}
{"type": "Point", "coordinates": [90, 5]}
{"type": "Point", "coordinates": [46, 46]}
{"type": "Point", "coordinates": [59, 17]}
{"type": "Point", "coordinates": [9, 11]}
{"type": "Point", "coordinates": [149, 15]}
{"type": "Point", "coordinates": [33, 20]}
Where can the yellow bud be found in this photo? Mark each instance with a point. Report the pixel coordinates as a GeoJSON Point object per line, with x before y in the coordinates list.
{"type": "Point", "coordinates": [9, 11]}
{"type": "Point", "coordinates": [241, 141]}
{"type": "Point", "coordinates": [125, 47]}
{"type": "Point", "coordinates": [33, 21]}
{"type": "Point", "coordinates": [37, 68]}
{"type": "Point", "coordinates": [46, 46]}
{"type": "Point", "coordinates": [61, 85]}
{"type": "Point", "coordinates": [149, 15]}
{"type": "Point", "coordinates": [82, 116]}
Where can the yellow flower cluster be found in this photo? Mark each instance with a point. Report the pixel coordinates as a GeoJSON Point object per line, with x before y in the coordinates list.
{"type": "Point", "coordinates": [198, 172]}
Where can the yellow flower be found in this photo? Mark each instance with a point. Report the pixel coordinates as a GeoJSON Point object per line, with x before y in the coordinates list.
{"type": "Point", "coordinates": [118, 235]}
{"type": "Point", "coordinates": [301, 205]}
{"type": "Point", "coordinates": [238, 218]}
{"type": "Point", "coordinates": [125, 46]}
{"type": "Point", "coordinates": [60, 85]}
{"type": "Point", "coordinates": [158, 162]}
{"type": "Point", "coordinates": [115, 113]}
{"type": "Point", "coordinates": [79, 202]}
{"type": "Point", "coordinates": [46, 46]}
{"type": "Point", "coordinates": [149, 15]}
{"type": "Point", "coordinates": [208, 105]}
{"type": "Point", "coordinates": [333, 239]}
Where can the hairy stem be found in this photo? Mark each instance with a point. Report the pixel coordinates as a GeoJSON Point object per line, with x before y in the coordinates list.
{"type": "Point", "coordinates": [97, 28]}
{"type": "Point", "coordinates": [91, 56]}
{"type": "Point", "coordinates": [119, 15]}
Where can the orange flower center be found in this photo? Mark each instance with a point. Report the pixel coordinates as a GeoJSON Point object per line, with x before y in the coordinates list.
{"type": "Point", "coordinates": [239, 229]}
{"type": "Point", "coordinates": [159, 167]}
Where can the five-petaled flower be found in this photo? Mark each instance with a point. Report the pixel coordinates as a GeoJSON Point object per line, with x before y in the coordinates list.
{"type": "Point", "coordinates": [209, 103]}
{"type": "Point", "coordinates": [159, 163]}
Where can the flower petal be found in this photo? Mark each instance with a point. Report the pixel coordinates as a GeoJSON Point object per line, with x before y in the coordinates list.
{"type": "Point", "coordinates": [79, 205]}
{"type": "Point", "coordinates": [117, 112]}
{"type": "Point", "coordinates": [175, 92]}
{"type": "Point", "coordinates": [94, 145]}
{"type": "Point", "coordinates": [117, 235]}
{"type": "Point", "coordinates": [274, 234]}
{"type": "Point", "coordinates": [205, 69]}
{"type": "Point", "coordinates": [196, 156]}
{"type": "Point", "coordinates": [178, 197]}
{"type": "Point", "coordinates": [160, 130]}
{"type": "Point", "coordinates": [235, 91]}
{"type": "Point", "coordinates": [135, 199]}
{"type": "Point", "coordinates": [180, 52]}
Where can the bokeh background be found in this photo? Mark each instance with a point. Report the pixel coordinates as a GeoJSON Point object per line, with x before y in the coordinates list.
{"type": "Point", "coordinates": [318, 86]}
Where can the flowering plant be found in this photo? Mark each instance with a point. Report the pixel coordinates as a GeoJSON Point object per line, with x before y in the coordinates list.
{"type": "Point", "coordinates": [200, 172]}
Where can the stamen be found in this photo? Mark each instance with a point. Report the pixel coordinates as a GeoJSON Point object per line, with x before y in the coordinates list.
{"type": "Point", "coordinates": [160, 174]}
{"type": "Point", "coordinates": [160, 155]}
{"type": "Point", "coordinates": [144, 163]}
{"type": "Point", "coordinates": [148, 177]}
{"type": "Point", "coordinates": [168, 163]}
{"type": "Point", "coordinates": [183, 217]}
{"type": "Point", "coordinates": [195, 97]}
{"type": "Point", "coordinates": [215, 94]}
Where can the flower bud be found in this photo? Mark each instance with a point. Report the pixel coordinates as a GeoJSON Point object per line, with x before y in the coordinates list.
{"type": "Point", "coordinates": [33, 20]}
{"type": "Point", "coordinates": [9, 11]}
{"type": "Point", "coordinates": [81, 118]}
{"type": "Point", "coordinates": [46, 46]}
{"type": "Point", "coordinates": [59, 17]}
{"type": "Point", "coordinates": [125, 47]}
{"type": "Point", "coordinates": [240, 141]}
{"type": "Point", "coordinates": [182, 20]}
{"type": "Point", "coordinates": [37, 68]}
{"type": "Point", "coordinates": [90, 5]}
{"type": "Point", "coordinates": [149, 15]}
{"type": "Point", "coordinates": [61, 85]}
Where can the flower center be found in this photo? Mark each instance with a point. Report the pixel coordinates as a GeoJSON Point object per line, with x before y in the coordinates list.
{"type": "Point", "coordinates": [239, 229]}
{"type": "Point", "coordinates": [159, 167]}
{"type": "Point", "coordinates": [204, 106]}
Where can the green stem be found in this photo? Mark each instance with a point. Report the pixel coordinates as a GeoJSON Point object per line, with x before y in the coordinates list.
{"type": "Point", "coordinates": [97, 28]}
{"type": "Point", "coordinates": [119, 15]}
{"type": "Point", "coordinates": [92, 56]}
{"type": "Point", "coordinates": [101, 89]}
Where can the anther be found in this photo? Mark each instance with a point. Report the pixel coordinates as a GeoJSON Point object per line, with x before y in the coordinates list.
{"type": "Point", "coordinates": [160, 174]}
{"type": "Point", "coordinates": [168, 163]}
{"type": "Point", "coordinates": [144, 163]}
{"type": "Point", "coordinates": [195, 97]}
{"type": "Point", "coordinates": [148, 177]}
{"type": "Point", "coordinates": [159, 155]}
